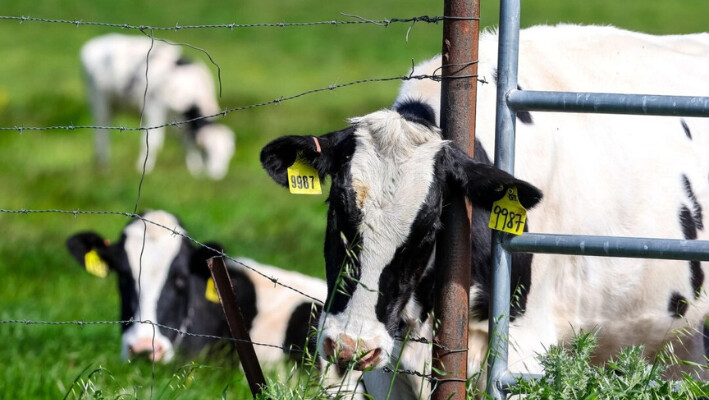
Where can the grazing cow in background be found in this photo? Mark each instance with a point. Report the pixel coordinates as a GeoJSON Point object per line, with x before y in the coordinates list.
{"type": "Point", "coordinates": [115, 68]}
{"type": "Point", "coordinates": [601, 175]}
{"type": "Point", "coordinates": [163, 278]}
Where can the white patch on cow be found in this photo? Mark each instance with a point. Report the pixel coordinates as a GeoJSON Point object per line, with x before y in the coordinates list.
{"type": "Point", "coordinates": [275, 304]}
{"type": "Point", "coordinates": [150, 250]}
{"type": "Point", "coordinates": [393, 161]}
{"type": "Point", "coordinates": [617, 175]}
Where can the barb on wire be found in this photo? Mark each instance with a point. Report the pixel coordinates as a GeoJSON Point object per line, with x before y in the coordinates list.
{"type": "Point", "coordinates": [224, 112]}
{"type": "Point", "coordinates": [172, 230]}
{"type": "Point", "coordinates": [231, 26]}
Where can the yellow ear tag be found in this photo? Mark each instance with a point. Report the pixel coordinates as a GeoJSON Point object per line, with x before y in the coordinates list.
{"type": "Point", "coordinates": [211, 292]}
{"type": "Point", "coordinates": [507, 214]}
{"type": "Point", "coordinates": [95, 265]}
{"type": "Point", "coordinates": [303, 179]}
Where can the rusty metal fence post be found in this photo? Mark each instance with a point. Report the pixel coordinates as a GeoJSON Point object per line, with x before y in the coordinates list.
{"type": "Point", "coordinates": [237, 326]}
{"type": "Point", "coordinates": [458, 96]}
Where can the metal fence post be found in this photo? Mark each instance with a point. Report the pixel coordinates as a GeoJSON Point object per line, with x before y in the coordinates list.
{"type": "Point", "coordinates": [458, 96]}
{"type": "Point", "coordinates": [237, 326]}
{"type": "Point", "coordinates": [504, 159]}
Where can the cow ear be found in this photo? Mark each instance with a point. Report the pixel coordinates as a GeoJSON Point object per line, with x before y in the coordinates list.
{"type": "Point", "coordinates": [483, 183]}
{"type": "Point", "coordinates": [324, 153]}
{"type": "Point", "coordinates": [83, 243]}
{"type": "Point", "coordinates": [198, 262]}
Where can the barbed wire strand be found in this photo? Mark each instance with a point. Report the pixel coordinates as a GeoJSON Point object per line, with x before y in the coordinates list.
{"type": "Point", "coordinates": [224, 112]}
{"type": "Point", "coordinates": [288, 350]}
{"type": "Point", "coordinates": [358, 20]}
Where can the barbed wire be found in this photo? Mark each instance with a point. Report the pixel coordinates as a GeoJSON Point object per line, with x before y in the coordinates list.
{"type": "Point", "coordinates": [289, 349]}
{"type": "Point", "coordinates": [282, 99]}
{"type": "Point", "coordinates": [81, 323]}
{"type": "Point", "coordinates": [220, 252]}
{"type": "Point", "coordinates": [357, 20]}
{"type": "Point", "coordinates": [172, 230]}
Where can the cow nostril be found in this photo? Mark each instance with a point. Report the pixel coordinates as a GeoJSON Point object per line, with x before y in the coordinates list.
{"type": "Point", "coordinates": [328, 347]}
{"type": "Point", "coordinates": [369, 359]}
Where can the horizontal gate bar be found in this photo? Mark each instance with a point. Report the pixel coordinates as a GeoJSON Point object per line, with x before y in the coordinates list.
{"type": "Point", "coordinates": [608, 246]}
{"type": "Point", "coordinates": [608, 103]}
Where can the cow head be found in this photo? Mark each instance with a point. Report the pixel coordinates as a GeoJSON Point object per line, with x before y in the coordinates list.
{"type": "Point", "coordinates": [390, 173]}
{"type": "Point", "coordinates": [152, 265]}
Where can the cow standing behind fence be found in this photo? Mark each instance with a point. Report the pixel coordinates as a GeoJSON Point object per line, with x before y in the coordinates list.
{"type": "Point", "coordinates": [153, 76]}
{"type": "Point", "coordinates": [601, 175]}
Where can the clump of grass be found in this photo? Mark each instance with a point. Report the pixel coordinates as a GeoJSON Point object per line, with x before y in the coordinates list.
{"type": "Point", "coordinates": [569, 374]}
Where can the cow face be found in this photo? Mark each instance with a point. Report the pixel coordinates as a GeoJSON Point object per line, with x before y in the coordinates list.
{"type": "Point", "coordinates": [152, 268]}
{"type": "Point", "coordinates": [391, 172]}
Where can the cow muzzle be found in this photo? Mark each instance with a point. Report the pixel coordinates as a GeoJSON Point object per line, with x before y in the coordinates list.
{"type": "Point", "coordinates": [346, 351]}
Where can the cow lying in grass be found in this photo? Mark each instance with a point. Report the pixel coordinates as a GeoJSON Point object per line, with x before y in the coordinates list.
{"type": "Point", "coordinates": [163, 278]}
{"type": "Point", "coordinates": [115, 68]}
{"type": "Point", "coordinates": [601, 175]}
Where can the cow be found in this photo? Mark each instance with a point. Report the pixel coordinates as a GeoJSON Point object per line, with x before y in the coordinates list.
{"type": "Point", "coordinates": [119, 73]}
{"type": "Point", "coordinates": [600, 175]}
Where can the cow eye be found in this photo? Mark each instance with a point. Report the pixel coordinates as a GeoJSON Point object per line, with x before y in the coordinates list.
{"type": "Point", "coordinates": [180, 282]}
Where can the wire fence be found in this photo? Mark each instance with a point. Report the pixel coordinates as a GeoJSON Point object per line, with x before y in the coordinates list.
{"type": "Point", "coordinates": [149, 31]}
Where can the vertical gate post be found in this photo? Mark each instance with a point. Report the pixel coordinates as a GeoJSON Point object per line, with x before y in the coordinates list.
{"type": "Point", "coordinates": [458, 96]}
{"type": "Point", "coordinates": [507, 59]}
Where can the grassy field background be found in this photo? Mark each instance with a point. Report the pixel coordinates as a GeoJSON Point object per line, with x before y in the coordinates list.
{"type": "Point", "coordinates": [40, 85]}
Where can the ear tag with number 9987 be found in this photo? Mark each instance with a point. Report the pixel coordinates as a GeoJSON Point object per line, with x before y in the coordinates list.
{"type": "Point", "coordinates": [507, 214]}
{"type": "Point", "coordinates": [303, 179]}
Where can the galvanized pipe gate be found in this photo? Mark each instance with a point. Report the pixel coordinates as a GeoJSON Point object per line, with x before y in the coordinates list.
{"type": "Point", "coordinates": [509, 101]}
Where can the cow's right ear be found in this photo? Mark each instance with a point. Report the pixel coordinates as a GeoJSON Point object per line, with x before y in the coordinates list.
{"type": "Point", "coordinates": [324, 153]}
{"type": "Point", "coordinates": [91, 251]}
{"type": "Point", "coordinates": [198, 262]}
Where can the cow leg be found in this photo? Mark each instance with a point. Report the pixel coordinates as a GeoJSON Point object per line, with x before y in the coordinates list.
{"type": "Point", "coordinates": [101, 112]}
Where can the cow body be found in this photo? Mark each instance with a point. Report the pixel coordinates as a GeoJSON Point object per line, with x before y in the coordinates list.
{"type": "Point", "coordinates": [601, 175]}
{"type": "Point", "coordinates": [165, 85]}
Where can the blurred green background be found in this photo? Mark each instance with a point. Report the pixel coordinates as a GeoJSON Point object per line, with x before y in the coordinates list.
{"type": "Point", "coordinates": [41, 85]}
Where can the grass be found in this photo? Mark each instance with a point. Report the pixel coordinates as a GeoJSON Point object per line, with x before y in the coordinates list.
{"type": "Point", "coordinates": [40, 85]}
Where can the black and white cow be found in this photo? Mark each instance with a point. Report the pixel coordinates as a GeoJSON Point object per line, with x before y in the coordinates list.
{"type": "Point", "coordinates": [162, 278]}
{"type": "Point", "coordinates": [115, 71]}
{"type": "Point", "coordinates": [601, 174]}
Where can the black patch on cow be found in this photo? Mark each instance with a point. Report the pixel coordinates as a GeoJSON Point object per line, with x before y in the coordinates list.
{"type": "Point", "coordinates": [300, 332]}
{"type": "Point", "coordinates": [697, 213]}
{"type": "Point", "coordinates": [195, 118]}
{"type": "Point", "coordinates": [418, 112]}
{"type": "Point", "coordinates": [400, 278]}
{"type": "Point", "coordinates": [678, 305]}
{"type": "Point", "coordinates": [173, 299]}
{"type": "Point", "coordinates": [686, 129]}
{"type": "Point", "coordinates": [697, 275]}
{"type": "Point", "coordinates": [689, 227]}
{"type": "Point", "coordinates": [182, 60]}
{"type": "Point", "coordinates": [342, 237]}
{"type": "Point", "coordinates": [524, 117]}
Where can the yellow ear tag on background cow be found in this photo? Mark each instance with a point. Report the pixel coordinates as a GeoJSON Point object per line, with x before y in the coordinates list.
{"type": "Point", "coordinates": [507, 214]}
{"type": "Point", "coordinates": [95, 265]}
{"type": "Point", "coordinates": [303, 179]}
{"type": "Point", "coordinates": [211, 292]}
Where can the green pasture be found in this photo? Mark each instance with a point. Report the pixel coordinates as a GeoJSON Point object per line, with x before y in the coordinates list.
{"type": "Point", "coordinates": [41, 85]}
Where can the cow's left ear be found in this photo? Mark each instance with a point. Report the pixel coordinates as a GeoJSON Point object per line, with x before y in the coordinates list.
{"type": "Point", "coordinates": [324, 153]}
{"type": "Point", "coordinates": [484, 184]}
{"type": "Point", "coordinates": [198, 261]}
{"type": "Point", "coordinates": [96, 247]}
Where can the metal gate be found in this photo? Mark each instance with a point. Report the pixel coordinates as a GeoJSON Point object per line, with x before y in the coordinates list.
{"type": "Point", "coordinates": [510, 100]}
